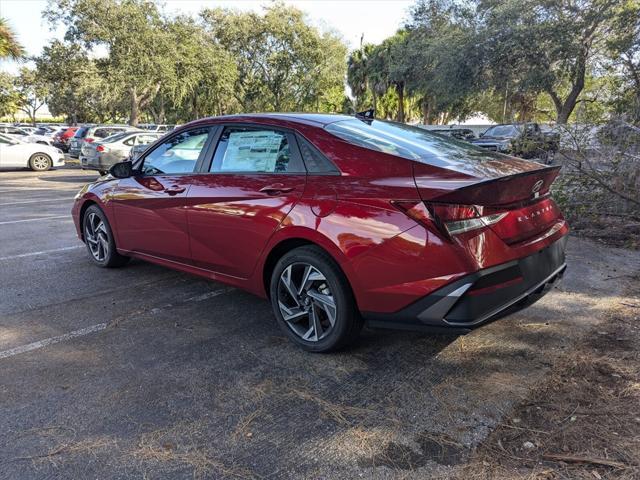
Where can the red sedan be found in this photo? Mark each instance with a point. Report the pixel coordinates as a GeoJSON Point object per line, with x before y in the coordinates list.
{"type": "Point", "coordinates": [337, 220]}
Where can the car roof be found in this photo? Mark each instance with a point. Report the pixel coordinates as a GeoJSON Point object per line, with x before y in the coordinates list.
{"type": "Point", "coordinates": [314, 119]}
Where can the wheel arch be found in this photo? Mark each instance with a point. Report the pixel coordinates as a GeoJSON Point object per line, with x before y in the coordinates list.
{"type": "Point", "coordinates": [86, 204]}
{"type": "Point", "coordinates": [285, 245]}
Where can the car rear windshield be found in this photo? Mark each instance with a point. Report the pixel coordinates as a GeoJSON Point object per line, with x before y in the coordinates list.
{"type": "Point", "coordinates": [81, 132]}
{"type": "Point", "coordinates": [507, 131]}
{"type": "Point", "coordinates": [409, 142]}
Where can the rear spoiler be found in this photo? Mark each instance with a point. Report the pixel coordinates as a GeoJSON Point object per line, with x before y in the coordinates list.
{"type": "Point", "coordinates": [502, 190]}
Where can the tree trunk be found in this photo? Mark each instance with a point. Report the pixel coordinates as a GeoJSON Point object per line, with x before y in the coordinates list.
{"type": "Point", "coordinates": [400, 91]}
{"type": "Point", "coordinates": [565, 108]}
{"type": "Point", "coordinates": [426, 111]}
{"type": "Point", "coordinates": [133, 118]}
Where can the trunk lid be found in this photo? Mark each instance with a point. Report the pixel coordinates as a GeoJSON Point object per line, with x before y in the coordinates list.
{"type": "Point", "coordinates": [518, 199]}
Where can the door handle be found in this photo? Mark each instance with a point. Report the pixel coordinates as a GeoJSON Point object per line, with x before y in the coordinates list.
{"type": "Point", "coordinates": [174, 190]}
{"type": "Point", "coordinates": [275, 189]}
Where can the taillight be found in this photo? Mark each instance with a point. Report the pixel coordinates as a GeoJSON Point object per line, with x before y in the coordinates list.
{"type": "Point", "coordinates": [459, 219]}
{"type": "Point", "coordinates": [450, 219]}
{"type": "Point", "coordinates": [99, 148]}
{"type": "Point", "coordinates": [89, 140]}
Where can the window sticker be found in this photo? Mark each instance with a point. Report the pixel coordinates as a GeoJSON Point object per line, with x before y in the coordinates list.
{"type": "Point", "coordinates": [255, 151]}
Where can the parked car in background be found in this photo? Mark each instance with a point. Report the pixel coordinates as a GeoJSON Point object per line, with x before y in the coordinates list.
{"type": "Point", "coordinates": [76, 141]}
{"type": "Point", "coordinates": [103, 154]}
{"type": "Point", "coordinates": [22, 134]}
{"type": "Point", "coordinates": [27, 128]}
{"type": "Point", "coordinates": [337, 220]}
{"type": "Point", "coordinates": [62, 139]}
{"type": "Point", "coordinates": [93, 133]}
{"type": "Point", "coordinates": [525, 140]}
{"type": "Point", "coordinates": [156, 128]}
{"type": "Point", "coordinates": [17, 153]}
{"type": "Point", "coordinates": [13, 130]}
{"type": "Point", "coordinates": [458, 133]}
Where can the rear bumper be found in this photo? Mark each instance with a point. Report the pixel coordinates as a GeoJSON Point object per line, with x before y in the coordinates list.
{"type": "Point", "coordinates": [482, 296]}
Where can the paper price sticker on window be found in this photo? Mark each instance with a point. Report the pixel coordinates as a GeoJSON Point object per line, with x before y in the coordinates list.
{"type": "Point", "coordinates": [252, 151]}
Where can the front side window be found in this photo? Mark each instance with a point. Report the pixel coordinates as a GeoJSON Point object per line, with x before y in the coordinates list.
{"type": "Point", "coordinates": [254, 150]}
{"type": "Point", "coordinates": [179, 154]}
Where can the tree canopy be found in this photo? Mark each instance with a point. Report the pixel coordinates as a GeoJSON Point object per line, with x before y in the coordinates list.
{"type": "Point", "coordinates": [509, 59]}
{"type": "Point", "coordinates": [512, 60]}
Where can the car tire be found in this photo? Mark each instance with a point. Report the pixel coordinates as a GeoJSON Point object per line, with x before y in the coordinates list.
{"type": "Point", "coordinates": [40, 162]}
{"type": "Point", "coordinates": [313, 302]}
{"type": "Point", "coordinates": [99, 240]}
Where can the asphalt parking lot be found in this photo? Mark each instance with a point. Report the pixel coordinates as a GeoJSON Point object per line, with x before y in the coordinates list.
{"type": "Point", "coordinates": [145, 372]}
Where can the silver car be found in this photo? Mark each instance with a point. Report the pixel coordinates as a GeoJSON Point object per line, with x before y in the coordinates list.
{"type": "Point", "coordinates": [94, 133]}
{"type": "Point", "coordinates": [103, 154]}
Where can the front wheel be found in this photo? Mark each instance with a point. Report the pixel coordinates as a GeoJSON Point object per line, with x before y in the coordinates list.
{"type": "Point", "coordinates": [313, 302]}
{"type": "Point", "coordinates": [40, 162]}
{"type": "Point", "coordinates": [99, 239]}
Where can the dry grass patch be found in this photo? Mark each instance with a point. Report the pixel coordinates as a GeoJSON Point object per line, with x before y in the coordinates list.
{"type": "Point", "coordinates": [583, 422]}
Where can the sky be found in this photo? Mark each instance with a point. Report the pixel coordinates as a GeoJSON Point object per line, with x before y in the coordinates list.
{"type": "Point", "coordinates": [376, 19]}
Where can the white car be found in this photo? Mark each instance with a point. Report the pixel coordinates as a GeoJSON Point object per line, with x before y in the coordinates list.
{"type": "Point", "coordinates": [37, 157]}
{"type": "Point", "coordinates": [30, 137]}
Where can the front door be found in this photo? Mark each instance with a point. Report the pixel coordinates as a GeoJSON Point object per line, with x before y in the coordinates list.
{"type": "Point", "coordinates": [149, 208]}
{"type": "Point", "coordinates": [254, 180]}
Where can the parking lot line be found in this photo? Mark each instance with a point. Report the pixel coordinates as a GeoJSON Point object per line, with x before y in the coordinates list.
{"type": "Point", "coordinates": [42, 252]}
{"type": "Point", "coordinates": [37, 201]}
{"type": "Point", "coordinates": [31, 189]}
{"type": "Point", "coordinates": [52, 340]}
{"type": "Point", "coordinates": [51, 217]}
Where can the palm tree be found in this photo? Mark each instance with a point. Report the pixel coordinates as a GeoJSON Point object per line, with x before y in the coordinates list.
{"type": "Point", "coordinates": [9, 46]}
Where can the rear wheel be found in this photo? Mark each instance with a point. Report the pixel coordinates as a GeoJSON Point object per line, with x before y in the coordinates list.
{"type": "Point", "coordinates": [99, 239]}
{"type": "Point", "coordinates": [313, 302]}
{"type": "Point", "coordinates": [40, 162]}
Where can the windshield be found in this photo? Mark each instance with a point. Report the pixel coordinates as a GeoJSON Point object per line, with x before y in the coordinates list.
{"type": "Point", "coordinates": [507, 131]}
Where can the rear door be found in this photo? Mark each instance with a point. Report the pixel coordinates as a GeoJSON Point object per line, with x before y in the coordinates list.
{"type": "Point", "coordinates": [10, 154]}
{"type": "Point", "coordinates": [149, 208]}
{"type": "Point", "coordinates": [253, 181]}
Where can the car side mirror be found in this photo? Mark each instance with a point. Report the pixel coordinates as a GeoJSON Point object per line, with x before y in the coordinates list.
{"type": "Point", "coordinates": [121, 170]}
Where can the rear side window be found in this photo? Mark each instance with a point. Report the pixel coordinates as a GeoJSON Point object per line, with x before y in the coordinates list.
{"type": "Point", "coordinates": [315, 161]}
{"type": "Point", "coordinates": [145, 139]}
{"type": "Point", "coordinates": [254, 150]}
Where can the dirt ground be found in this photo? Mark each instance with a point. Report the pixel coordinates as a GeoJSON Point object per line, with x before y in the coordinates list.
{"type": "Point", "coordinates": [143, 372]}
{"type": "Point", "coordinates": [582, 421]}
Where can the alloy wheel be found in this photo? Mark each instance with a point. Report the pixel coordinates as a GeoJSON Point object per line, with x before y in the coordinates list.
{"type": "Point", "coordinates": [305, 302]}
{"type": "Point", "coordinates": [95, 233]}
{"type": "Point", "coordinates": [40, 162]}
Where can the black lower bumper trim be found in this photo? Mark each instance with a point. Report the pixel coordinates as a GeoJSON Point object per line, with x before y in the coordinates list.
{"type": "Point", "coordinates": [482, 296]}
